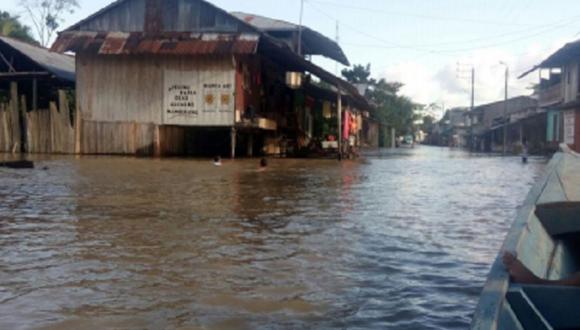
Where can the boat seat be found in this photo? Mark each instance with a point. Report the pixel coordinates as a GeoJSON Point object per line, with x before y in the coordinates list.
{"type": "Point", "coordinates": [545, 306]}
{"type": "Point", "coordinates": [560, 218]}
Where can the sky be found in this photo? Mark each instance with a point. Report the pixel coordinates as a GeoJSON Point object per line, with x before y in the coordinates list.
{"type": "Point", "coordinates": [428, 45]}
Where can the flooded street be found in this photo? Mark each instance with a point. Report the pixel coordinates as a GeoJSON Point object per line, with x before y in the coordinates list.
{"type": "Point", "coordinates": [399, 240]}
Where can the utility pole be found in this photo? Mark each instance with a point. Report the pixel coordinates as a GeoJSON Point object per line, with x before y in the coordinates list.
{"type": "Point", "coordinates": [472, 88]}
{"type": "Point", "coordinates": [300, 28]}
{"type": "Point", "coordinates": [339, 121]}
{"type": "Point", "coordinates": [462, 72]}
{"type": "Point", "coordinates": [337, 42]}
{"type": "Point", "coordinates": [505, 109]}
{"type": "Point", "coordinates": [471, 142]}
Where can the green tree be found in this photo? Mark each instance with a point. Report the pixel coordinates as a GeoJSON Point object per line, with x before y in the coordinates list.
{"type": "Point", "coordinates": [391, 109]}
{"type": "Point", "coordinates": [359, 74]}
{"type": "Point", "coordinates": [10, 26]}
{"type": "Point", "coordinates": [47, 15]}
{"type": "Point", "coordinates": [428, 123]}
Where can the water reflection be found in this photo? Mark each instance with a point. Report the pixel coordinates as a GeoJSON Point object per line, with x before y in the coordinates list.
{"type": "Point", "coordinates": [401, 240]}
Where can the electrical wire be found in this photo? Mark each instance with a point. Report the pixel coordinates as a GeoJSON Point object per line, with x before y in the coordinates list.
{"type": "Point", "coordinates": [392, 45]}
{"type": "Point", "coordinates": [423, 16]}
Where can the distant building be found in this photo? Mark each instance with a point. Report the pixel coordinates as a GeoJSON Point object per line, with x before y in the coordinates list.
{"type": "Point", "coordinates": [452, 128]}
{"type": "Point", "coordinates": [520, 118]}
{"type": "Point", "coordinates": [482, 129]}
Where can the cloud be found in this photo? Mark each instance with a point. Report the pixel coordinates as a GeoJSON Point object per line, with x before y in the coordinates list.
{"type": "Point", "coordinates": [427, 84]}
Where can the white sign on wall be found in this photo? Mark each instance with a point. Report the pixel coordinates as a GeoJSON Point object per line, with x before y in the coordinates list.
{"type": "Point", "coordinates": [181, 101]}
{"type": "Point", "coordinates": [569, 127]}
{"type": "Point", "coordinates": [199, 98]}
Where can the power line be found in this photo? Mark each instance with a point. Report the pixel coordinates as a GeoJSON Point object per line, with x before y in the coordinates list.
{"type": "Point", "coordinates": [393, 45]}
{"type": "Point", "coordinates": [422, 16]}
{"type": "Point", "coordinates": [557, 27]}
{"type": "Point", "coordinates": [526, 31]}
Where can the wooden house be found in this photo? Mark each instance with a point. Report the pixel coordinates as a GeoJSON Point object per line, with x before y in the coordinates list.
{"type": "Point", "coordinates": [179, 77]}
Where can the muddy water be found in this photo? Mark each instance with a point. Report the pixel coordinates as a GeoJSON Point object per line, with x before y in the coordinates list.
{"type": "Point", "coordinates": [401, 240]}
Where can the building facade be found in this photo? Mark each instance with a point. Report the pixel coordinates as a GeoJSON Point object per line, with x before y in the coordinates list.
{"type": "Point", "coordinates": [559, 95]}
{"type": "Point", "coordinates": [183, 77]}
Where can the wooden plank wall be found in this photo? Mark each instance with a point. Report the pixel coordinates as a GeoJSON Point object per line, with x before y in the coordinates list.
{"type": "Point", "coordinates": [47, 130]}
{"type": "Point", "coordinates": [131, 138]}
{"type": "Point", "coordinates": [131, 88]}
{"type": "Point", "coordinates": [171, 140]}
{"type": "Point", "coordinates": [10, 123]}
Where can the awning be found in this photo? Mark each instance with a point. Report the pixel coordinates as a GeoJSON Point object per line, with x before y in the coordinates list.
{"type": "Point", "coordinates": [313, 43]}
{"type": "Point", "coordinates": [284, 57]}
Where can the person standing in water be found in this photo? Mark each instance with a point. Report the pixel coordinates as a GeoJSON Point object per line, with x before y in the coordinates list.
{"type": "Point", "coordinates": [524, 150]}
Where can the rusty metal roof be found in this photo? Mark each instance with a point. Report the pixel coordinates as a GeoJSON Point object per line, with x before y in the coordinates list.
{"type": "Point", "coordinates": [166, 43]}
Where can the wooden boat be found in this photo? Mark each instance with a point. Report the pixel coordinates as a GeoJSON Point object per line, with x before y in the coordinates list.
{"type": "Point", "coordinates": [18, 164]}
{"type": "Point", "coordinates": [545, 237]}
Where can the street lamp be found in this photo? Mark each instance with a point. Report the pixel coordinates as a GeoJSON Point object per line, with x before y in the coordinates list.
{"type": "Point", "coordinates": [505, 105]}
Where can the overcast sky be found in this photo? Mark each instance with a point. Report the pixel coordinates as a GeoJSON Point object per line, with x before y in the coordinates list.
{"type": "Point", "coordinates": [424, 43]}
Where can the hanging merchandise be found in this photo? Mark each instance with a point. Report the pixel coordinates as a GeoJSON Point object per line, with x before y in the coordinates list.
{"type": "Point", "coordinates": [346, 126]}
{"type": "Point", "coordinates": [353, 124]}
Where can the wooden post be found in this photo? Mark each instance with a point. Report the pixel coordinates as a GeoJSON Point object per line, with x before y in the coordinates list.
{"type": "Point", "coordinates": [54, 128]}
{"type": "Point", "coordinates": [251, 145]}
{"type": "Point", "coordinates": [233, 143]}
{"type": "Point", "coordinates": [156, 142]}
{"type": "Point", "coordinates": [77, 128]}
{"type": "Point", "coordinates": [339, 118]}
{"type": "Point", "coordinates": [23, 124]}
{"type": "Point", "coordinates": [14, 115]}
{"type": "Point", "coordinates": [34, 94]}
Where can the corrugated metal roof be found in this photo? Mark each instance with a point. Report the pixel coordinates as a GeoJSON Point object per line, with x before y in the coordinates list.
{"type": "Point", "coordinates": [62, 66]}
{"type": "Point", "coordinates": [265, 23]}
{"type": "Point", "coordinates": [175, 43]}
{"type": "Point", "coordinates": [562, 56]}
{"type": "Point", "coordinates": [314, 43]}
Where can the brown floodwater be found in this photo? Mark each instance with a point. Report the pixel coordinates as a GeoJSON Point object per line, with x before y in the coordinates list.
{"type": "Point", "coordinates": [398, 240]}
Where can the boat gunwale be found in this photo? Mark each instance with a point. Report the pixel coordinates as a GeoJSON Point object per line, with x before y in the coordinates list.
{"type": "Point", "coordinates": [489, 308]}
